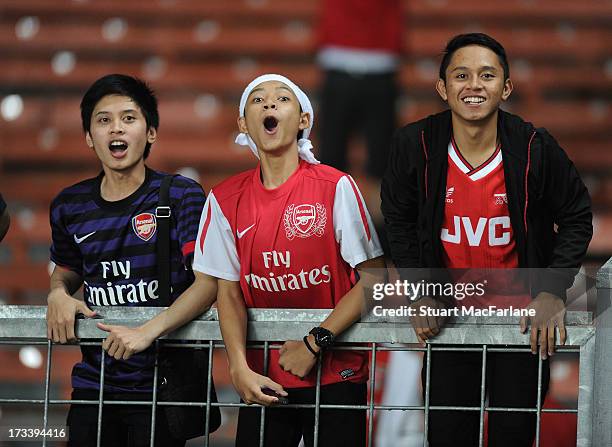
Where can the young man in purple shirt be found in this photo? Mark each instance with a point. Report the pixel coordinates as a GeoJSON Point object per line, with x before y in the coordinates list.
{"type": "Point", "coordinates": [104, 232]}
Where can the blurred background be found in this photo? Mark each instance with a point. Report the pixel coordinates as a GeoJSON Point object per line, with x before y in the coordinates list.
{"type": "Point", "coordinates": [198, 55]}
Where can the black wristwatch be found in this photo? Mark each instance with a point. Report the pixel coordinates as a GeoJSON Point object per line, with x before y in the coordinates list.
{"type": "Point", "coordinates": [323, 337]}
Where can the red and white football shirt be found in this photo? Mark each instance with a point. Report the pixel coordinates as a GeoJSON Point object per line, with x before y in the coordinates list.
{"type": "Point", "coordinates": [476, 230]}
{"type": "Point", "coordinates": [294, 246]}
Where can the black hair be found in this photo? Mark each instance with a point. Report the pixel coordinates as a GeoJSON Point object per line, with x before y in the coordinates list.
{"type": "Point", "coordinates": [124, 85]}
{"type": "Point", "coordinates": [463, 40]}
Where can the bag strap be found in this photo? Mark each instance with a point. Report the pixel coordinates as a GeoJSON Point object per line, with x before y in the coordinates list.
{"type": "Point", "coordinates": [163, 214]}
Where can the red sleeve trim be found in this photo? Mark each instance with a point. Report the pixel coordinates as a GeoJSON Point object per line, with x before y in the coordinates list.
{"type": "Point", "coordinates": [205, 228]}
{"type": "Point", "coordinates": [364, 219]}
{"type": "Point", "coordinates": [188, 248]}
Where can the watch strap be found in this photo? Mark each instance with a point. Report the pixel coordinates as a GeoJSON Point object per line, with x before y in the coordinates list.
{"type": "Point", "coordinates": [307, 343]}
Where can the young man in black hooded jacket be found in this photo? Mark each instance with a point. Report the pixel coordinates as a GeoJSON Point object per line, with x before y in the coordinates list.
{"type": "Point", "coordinates": [476, 187]}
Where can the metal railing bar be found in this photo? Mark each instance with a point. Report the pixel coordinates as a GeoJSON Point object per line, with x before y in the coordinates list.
{"type": "Point", "coordinates": [426, 403]}
{"type": "Point", "coordinates": [295, 406]}
{"type": "Point", "coordinates": [47, 384]}
{"type": "Point", "coordinates": [100, 396]}
{"type": "Point", "coordinates": [208, 394]}
{"type": "Point", "coordinates": [483, 394]}
{"type": "Point", "coordinates": [539, 403]}
{"type": "Point", "coordinates": [154, 401]}
{"type": "Point", "coordinates": [372, 387]}
{"type": "Point", "coordinates": [262, 417]}
{"type": "Point", "coordinates": [317, 406]}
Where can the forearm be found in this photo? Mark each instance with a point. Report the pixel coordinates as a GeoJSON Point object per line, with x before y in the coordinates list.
{"type": "Point", "coordinates": [233, 323]}
{"type": "Point", "coordinates": [65, 280]}
{"type": "Point", "coordinates": [346, 312]}
{"type": "Point", "coordinates": [62, 307]}
{"type": "Point", "coordinates": [350, 307]}
{"type": "Point", "coordinates": [193, 302]}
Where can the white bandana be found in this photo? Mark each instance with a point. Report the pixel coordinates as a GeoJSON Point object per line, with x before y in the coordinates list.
{"type": "Point", "coordinates": [304, 144]}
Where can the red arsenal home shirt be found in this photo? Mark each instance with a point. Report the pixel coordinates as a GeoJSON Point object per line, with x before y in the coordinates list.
{"type": "Point", "coordinates": [294, 246]}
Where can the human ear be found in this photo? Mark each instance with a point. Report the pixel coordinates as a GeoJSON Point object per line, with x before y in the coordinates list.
{"type": "Point", "coordinates": [441, 89]}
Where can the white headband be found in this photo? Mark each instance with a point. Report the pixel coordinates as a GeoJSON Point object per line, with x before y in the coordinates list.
{"type": "Point", "coordinates": [304, 144]}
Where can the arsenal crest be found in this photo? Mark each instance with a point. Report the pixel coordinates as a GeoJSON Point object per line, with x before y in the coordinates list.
{"type": "Point", "coordinates": [304, 220]}
{"type": "Point", "coordinates": [144, 225]}
{"type": "Point", "coordinates": [500, 199]}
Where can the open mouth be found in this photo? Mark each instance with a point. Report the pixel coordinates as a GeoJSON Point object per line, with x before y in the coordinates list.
{"type": "Point", "coordinates": [473, 100]}
{"type": "Point", "coordinates": [270, 124]}
{"type": "Point", "coordinates": [118, 148]}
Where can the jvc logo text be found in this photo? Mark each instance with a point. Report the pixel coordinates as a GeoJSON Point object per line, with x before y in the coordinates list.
{"type": "Point", "coordinates": [463, 225]}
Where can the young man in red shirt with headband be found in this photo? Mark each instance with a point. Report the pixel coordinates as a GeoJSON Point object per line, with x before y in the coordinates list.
{"type": "Point", "coordinates": [476, 187]}
{"type": "Point", "coordinates": [290, 233]}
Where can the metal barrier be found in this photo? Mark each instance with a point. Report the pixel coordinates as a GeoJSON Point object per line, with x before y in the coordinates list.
{"type": "Point", "coordinates": [26, 325]}
{"type": "Point", "coordinates": [602, 381]}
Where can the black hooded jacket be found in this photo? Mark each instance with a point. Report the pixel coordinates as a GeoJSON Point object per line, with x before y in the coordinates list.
{"type": "Point", "coordinates": [543, 189]}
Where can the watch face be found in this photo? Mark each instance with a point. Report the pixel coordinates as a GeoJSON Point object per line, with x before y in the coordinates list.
{"type": "Point", "coordinates": [323, 337]}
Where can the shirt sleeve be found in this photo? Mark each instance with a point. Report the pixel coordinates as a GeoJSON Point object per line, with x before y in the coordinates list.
{"type": "Point", "coordinates": [215, 250]}
{"type": "Point", "coordinates": [190, 204]}
{"type": "Point", "coordinates": [64, 250]}
{"type": "Point", "coordinates": [353, 225]}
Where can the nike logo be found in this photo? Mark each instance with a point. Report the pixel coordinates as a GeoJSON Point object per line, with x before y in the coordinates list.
{"type": "Point", "coordinates": [78, 240]}
{"type": "Point", "coordinates": [243, 232]}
